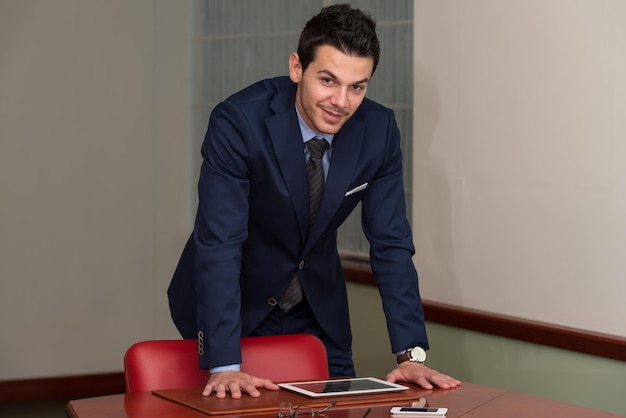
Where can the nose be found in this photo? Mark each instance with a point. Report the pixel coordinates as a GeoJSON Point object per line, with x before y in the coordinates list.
{"type": "Point", "coordinates": [340, 98]}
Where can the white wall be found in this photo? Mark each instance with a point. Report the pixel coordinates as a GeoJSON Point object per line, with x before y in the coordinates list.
{"type": "Point", "coordinates": [94, 179]}
{"type": "Point", "coordinates": [520, 158]}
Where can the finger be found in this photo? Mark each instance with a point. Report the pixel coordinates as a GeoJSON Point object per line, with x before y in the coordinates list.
{"type": "Point", "coordinates": [441, 383]}
{"type": "Point", "coordinates": [445, 381]}
{"type": "Point", "coordinates": [265, 384]}
{"type": "Point", "coordinates": [235, 390]}
{"type": "Point", "coordinates": [423, 382]}
{"type": "Point", "coordinates": [391, 377]}
{"type": "Point", "coordinates": [220, 391]}
{"type": "Point", "coordinates": [208, 389]}
{"type": "Point", "coordinates": [270, 385]}
{"type": "Point", "coordinates": [251, 390]}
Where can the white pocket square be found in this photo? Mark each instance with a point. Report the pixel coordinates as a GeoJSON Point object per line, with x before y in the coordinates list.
{"type": "Point", "coordinates": [357, 189]}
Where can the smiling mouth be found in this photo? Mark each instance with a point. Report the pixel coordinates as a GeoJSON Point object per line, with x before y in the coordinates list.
{"type": "Point", "coordinates": [334, 113]}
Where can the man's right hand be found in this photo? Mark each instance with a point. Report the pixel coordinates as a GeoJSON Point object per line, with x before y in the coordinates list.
{"type": "Point", "coordinates": [236, 382]}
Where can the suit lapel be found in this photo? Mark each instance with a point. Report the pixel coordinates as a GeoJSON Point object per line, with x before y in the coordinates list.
{"type": "Point", "coordinates": [346, 150]}
{"type": "Point", "coordinates": [288, 147]}
{"type": "Point", "coordinates": [287, 142]}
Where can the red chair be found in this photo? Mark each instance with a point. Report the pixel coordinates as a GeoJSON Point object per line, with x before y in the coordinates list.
{"type": "Point", "coordinates": [173, 364]}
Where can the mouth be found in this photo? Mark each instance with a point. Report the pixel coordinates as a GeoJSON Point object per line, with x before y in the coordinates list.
{"type": "Point", "coordinates": [334, 115]}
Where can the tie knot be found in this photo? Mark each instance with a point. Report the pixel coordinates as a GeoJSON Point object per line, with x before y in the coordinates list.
{"type": "Point", "coordinates": [317, 147]}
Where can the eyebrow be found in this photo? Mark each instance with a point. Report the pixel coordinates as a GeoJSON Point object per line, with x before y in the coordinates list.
{"type": "Point", "coordinates": [333, 76]}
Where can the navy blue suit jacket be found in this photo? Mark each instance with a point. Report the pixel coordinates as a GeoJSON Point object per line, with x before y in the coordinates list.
{"type": "Point", "coordinates": [251, 232]}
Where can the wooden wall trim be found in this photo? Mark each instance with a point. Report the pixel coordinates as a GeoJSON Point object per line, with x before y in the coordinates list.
{"type": "Point", "coordinates": [572, 339]}
{"type": "Point", "coordinates": [65, 387]}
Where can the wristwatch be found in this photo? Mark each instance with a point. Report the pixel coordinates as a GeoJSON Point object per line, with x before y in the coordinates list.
{"type": "Point", "coordinates": [415, 354]}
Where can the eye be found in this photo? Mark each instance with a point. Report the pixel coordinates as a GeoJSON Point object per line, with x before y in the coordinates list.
{"type": "Point", "coordinates": [357, 87]}
{"type": "Point", "coordinates": [327, 80]}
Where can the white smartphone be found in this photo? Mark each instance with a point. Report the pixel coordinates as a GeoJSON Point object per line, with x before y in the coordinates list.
{"type": "Point", "coordinates": [412, 412]}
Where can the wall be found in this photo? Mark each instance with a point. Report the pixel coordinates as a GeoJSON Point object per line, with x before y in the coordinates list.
{"type": "Point", "coordinates": [94, 179]}
{"type": "Point", "coordinates": [520, 185]}
{"type": "Point", "coordinates": [565, 376]}
{"type": "Point", "coordinates": [520, 158]}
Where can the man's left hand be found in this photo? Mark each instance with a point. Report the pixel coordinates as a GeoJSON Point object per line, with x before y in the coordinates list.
{"type": "Point", "coordinates": [422, 375]}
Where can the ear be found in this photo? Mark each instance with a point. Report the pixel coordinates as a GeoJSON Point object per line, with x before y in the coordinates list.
{"type": "Point", "coordinates": [295, 68]}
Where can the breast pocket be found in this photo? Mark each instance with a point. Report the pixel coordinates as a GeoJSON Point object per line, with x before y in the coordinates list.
{"type": "Point", "coordinates": [357, 189]}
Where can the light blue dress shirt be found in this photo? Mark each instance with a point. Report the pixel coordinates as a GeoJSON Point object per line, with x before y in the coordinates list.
{"type": "Point", "coordinates": [308, 133]}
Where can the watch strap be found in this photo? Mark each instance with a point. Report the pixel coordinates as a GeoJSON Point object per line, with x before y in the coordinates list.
{"type": "Point", "coordinates": [408, 356]}
{"type": "Point", "coordinates": [403, 357]}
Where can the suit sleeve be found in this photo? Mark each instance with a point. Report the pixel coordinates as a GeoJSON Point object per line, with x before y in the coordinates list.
{"type": "Point", "coordinates": [219, 233]}
{"type": "Point", "coordinates": [386, 227]}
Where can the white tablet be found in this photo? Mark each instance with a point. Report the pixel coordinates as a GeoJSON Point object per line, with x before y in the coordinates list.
{"type": "Point", "coordinates": [338, 387]}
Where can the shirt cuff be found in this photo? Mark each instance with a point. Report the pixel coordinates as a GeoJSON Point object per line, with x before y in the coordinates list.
{"type": "Point", "coordinates": [230, 367]}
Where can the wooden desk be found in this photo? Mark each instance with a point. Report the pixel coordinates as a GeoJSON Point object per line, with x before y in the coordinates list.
{"type": "Point", "coordinates": [468, 401]}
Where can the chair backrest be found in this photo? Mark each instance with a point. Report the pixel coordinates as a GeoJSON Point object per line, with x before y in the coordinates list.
{"type": "Point", "coordinates": [173, 364]}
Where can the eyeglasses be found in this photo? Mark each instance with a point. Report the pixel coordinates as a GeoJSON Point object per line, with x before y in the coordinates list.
{"type": "Point", "coordinates": [287, 410]}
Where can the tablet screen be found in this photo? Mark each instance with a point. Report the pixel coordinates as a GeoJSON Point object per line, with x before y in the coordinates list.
{"type": "Point", "coordinates": [339, 387]}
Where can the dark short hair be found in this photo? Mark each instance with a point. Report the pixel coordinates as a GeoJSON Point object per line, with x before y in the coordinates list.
{"type": "Point", "coordinates": [351, 31]}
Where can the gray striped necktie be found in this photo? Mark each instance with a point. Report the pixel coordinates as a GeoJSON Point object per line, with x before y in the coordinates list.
{"type": "Point", "coordinates": [315, 172]}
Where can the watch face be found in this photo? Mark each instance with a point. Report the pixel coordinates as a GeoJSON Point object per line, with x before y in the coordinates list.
{"type": "Point", "coordinates": [418, 354]}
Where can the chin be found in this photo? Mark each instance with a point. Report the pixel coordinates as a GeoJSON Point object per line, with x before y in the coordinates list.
{"type": "Point", "coordinates": [330, 128]}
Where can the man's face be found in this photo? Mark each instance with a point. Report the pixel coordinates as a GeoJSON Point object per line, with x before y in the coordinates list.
{"type": "Point", "coordinates": [332, 87]}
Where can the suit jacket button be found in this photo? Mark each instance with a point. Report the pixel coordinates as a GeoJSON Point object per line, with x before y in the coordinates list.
{"type": "Point", "coordinates": [272, 301]}
{"type": "Point", "coordinates": [301, 265]}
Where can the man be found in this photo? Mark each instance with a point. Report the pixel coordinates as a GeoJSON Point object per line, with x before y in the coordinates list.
{"type": "Point", "coordinates": [263, 258]}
